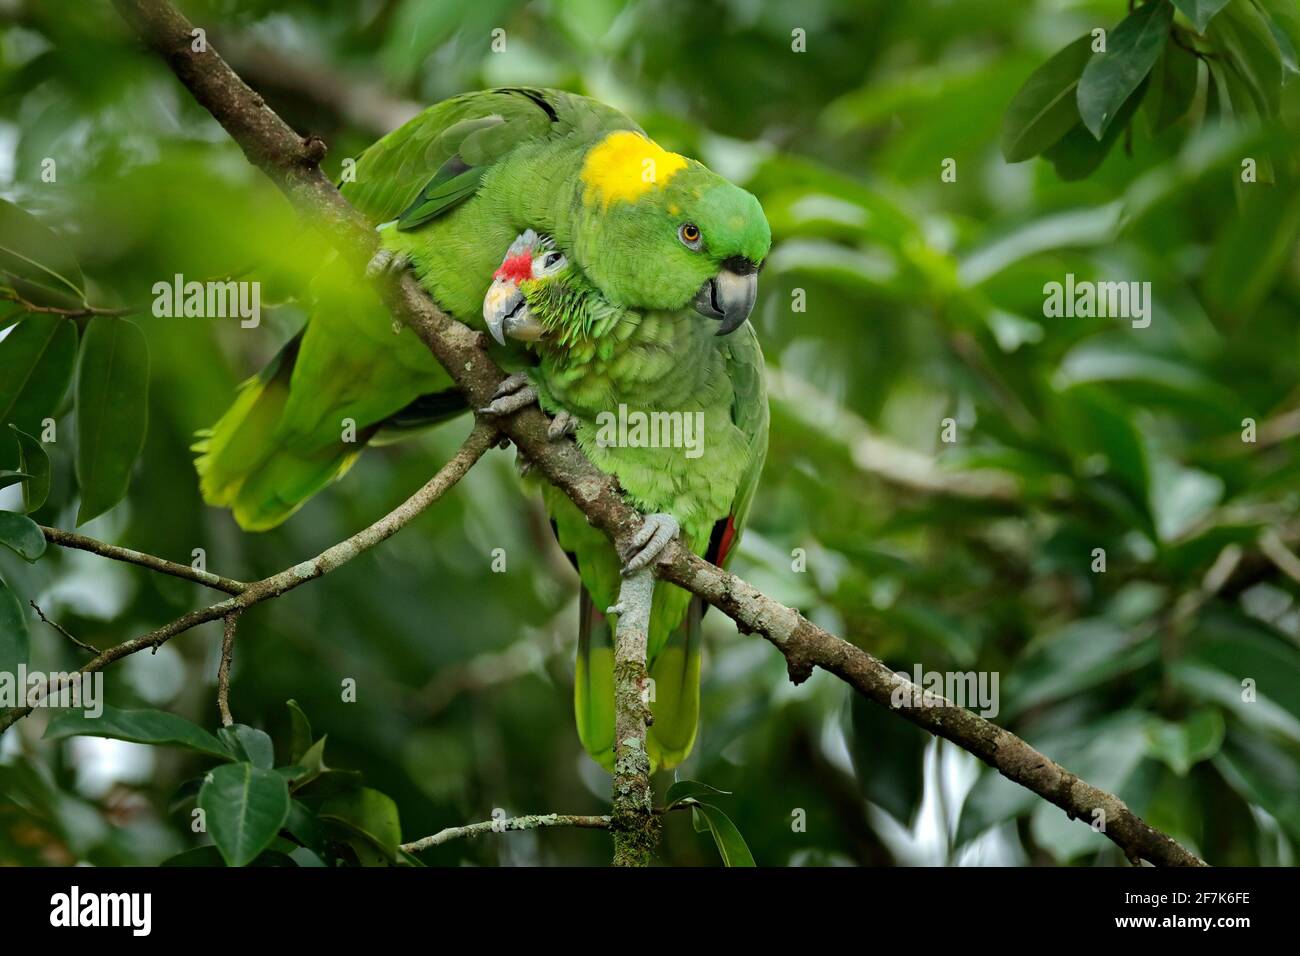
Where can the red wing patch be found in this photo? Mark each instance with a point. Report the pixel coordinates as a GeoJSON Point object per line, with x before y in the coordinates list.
{"type": "Point", "coordinates": [724, 533]}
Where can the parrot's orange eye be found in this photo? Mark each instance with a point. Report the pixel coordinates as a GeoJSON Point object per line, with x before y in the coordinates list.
{"type": "Point", "coordinates": [689, 233]}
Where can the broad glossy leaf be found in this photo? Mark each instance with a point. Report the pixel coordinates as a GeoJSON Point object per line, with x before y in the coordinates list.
{"type": "Point", "coordinates": [137, 726]}
{"type": "Point", "coordinates": [33, 462]}
{"type": "Point", "coordinates": [36, 362]}
{"type": "Point", "coordinates": [245, 807]}
{"type": "Point", "coordinates": [367, 815]}
{"type": "Point", "coordinates": [112, 412]}
{"type": "Point", "coordinates": [15, 634]}
{"type": "Point", "coordinates": [1173, 87]}
{"type": "Point", "coordinates": [1200, 12]}
{"type": "Point", "coordinates": [1243, 36]}
{"type": "Point", "coordinates": [731, 845]}
{"type": "Point", "coordinates": [248, 743]}
{"type": "Point", "coordinates": [1079, 153]}
{"type": "Point", "coordinates": [21, 535]}
{"type": "Point", "coordinates": [1045, 108]}
{"type": "Point", "coordinates": [35, 262]}
{"type": "Point", "coordinates": [1110, 78]}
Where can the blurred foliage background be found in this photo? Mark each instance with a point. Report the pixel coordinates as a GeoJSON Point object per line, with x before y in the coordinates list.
{"type": "Point", "coordinates": [923, 301]}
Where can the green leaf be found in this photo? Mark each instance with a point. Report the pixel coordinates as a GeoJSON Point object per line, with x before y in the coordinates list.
{"type": "Point", "coordinates": [888, 754]}
{"type": "Point", "coordinates": [731, 845]}
{"type": "Point", "coordinates": [365, 818]}
{"type": "Point", "coordinates": [1264, 774]}
{"type": "Point", "coordinates": [1079, 153]}
{"type": "Point", "coordinates": [1284, 22]}
{"type": "Point", "coordinates": [1251, 251]}
{"type": "Point", "coordinates": [36, 263]}
{"type": "Point", "coordinates": [138, 726]}
{"type": "Point", "coordinates": [300, 737]}
{"type": "Point", "coordinates": [112, 412]}
{"type": "Point", "coordinates": [1200, 12]}
{"type": "Point", "coordinates": [33, 461]}
{"type": "Point", "coordinates": [1243, 36]}
{"type": "Point", "coordinates": [1045, 108]}
{"type": "Point", "coordinates": [690, 790]}
{"type": "Point", "coordinates": [1183, 744]}
{"type": "Point", "coordinates": [305, 828]}
{"type": "Point", "coordinates": [210, 856]}
{"type": "Point", "coordinates": [1173, 87]}
{"type": "Point", "coordinates": [1110, 78]}
{"type": "Point", "coordinates": [36, 363]}
{"type": "Point", "coordinates": [15, 637]}
{"type": "Point", "coordinates": [8, 478]}
{"type": "Point", "coordinates": [248, 743]}
{"type": "Point", "coordinates": [245, 807]}
{"type": "Point", "coordinates": [22, 535]}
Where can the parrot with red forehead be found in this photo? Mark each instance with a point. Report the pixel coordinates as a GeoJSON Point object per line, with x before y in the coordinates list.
{"type": "Point", "coordinates": [599, 364]}
{"type": "Point", "coordinates": [662, 259]}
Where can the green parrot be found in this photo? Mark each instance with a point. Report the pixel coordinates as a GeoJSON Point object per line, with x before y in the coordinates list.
{"type": "Point", "coordinates": [593, 358]}
{"type": "Point", "coordinates": [653, 237]}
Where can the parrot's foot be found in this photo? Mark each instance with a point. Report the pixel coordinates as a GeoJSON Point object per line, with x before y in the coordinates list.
{"type": "Point", "coordinates": [649, 541]}
{"type": "Point", "coordinates": [562, 424]}
{"type": "Point", "coordinates": [386, 261]}
{"type": "Point", "coordinates": [512, 394]}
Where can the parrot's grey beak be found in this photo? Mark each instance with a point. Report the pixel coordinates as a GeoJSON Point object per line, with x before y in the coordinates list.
{"type": "Point", "coordinates": [507, 314]}
{"type": "Point", "coordinates": [729, 296]}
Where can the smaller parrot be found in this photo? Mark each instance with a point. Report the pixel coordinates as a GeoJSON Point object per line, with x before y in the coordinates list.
{"type": "Point", "coordinates": [594, 356]}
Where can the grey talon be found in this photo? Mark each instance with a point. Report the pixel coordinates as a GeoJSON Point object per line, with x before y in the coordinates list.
{"type": "Point", "coordinates": [511, 402]}
{"type": "Point", "coordinates": [650, 540]}
{"type": "Point", "coordinates": [563, 424]}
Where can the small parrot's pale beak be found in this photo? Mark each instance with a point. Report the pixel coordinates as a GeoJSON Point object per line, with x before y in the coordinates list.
{"type": "Point", "coordinates": [729, 296]}
{"type": "Point", "coordinates": [507, 314]}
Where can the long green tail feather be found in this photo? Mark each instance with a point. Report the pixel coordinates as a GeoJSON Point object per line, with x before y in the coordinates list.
{"type": "Point", "coordinates": [676, 704]}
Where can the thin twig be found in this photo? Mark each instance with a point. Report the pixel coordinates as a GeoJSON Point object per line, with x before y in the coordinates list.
{"type": "Point", "coordinates": [82, 311]}
{"type": "Point", "coordinates": [70, 539]}
{"type": "Point", "coordinates": [62, 630]}
{"type": "Point", "coordinates": [229, 623]}
{"type": "Point", "coordinates": [479, 441]}
{"type": "Point", "coordinates": [531, 822]}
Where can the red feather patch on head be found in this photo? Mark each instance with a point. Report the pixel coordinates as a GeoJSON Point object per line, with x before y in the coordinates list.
{"type": "Point", "coordinates": [516, 268]}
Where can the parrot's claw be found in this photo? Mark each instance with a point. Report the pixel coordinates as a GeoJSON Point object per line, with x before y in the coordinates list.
{"type": "Point", "coordinates": [562, 424]}
{"type": "Point", "coordinates": [512, 394]}
{"type": "Point", "coordinates": [650, 540]}
{"type": "Point", "coordinates": [386, 261]}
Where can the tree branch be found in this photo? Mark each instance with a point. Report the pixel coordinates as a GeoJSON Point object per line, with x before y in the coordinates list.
{"type": "Point", "coordinates": [70, 539]}
{"type": "Point", "coordinates": [636, 829]}
{"type": "Point", "coordinates": [531, 822]}
{"type": "Point", "coordinates": [229, 623]}
{"type": "Point", "coordinates": [290, 161]}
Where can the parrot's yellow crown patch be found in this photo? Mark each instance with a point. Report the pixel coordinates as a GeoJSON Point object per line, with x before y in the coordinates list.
{"type": "Point", "coordinates": [625, 166]}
